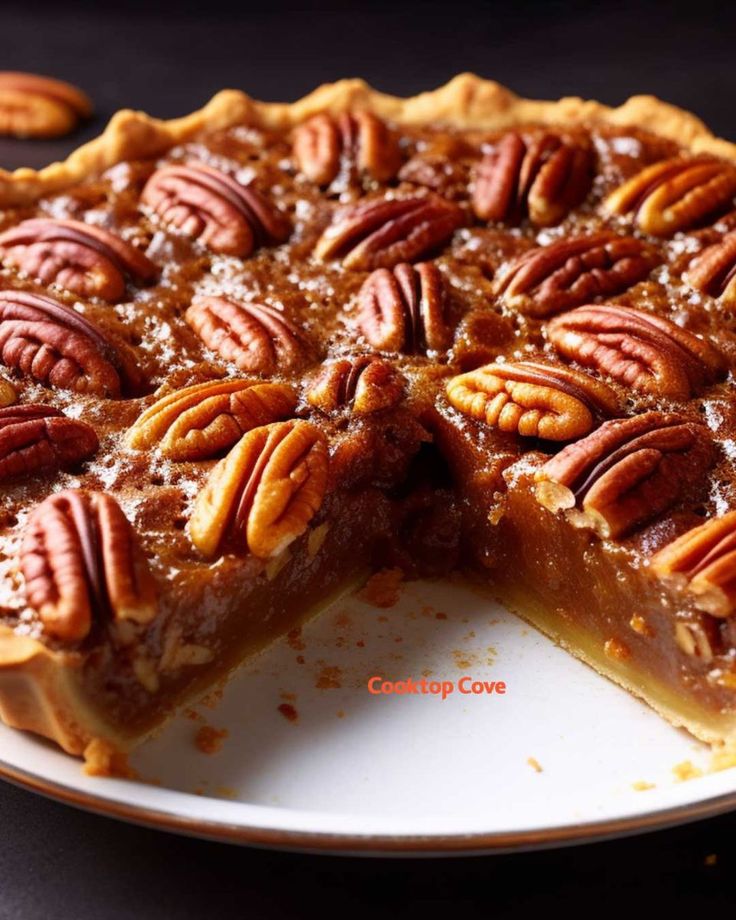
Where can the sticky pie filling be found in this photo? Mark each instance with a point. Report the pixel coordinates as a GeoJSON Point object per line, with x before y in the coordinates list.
{"type": "Point", "coordinates": [239, 375]}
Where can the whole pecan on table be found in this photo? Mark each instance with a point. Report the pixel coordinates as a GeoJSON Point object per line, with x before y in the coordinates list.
{"type": "Point", "coordinates": [713, 271]}
{"type": "Point", "coordinates": [36, 106]}
{"type": "Point", "coordinates": [381, 232]}
{"type": "Point", "coordinates": [542, 178]}
{"type": "Point", "coordinates": [200, 421]}
{"type": "Point", "coordinates": [703, 560]}
{"type": "Point", "coordinates": [641, 350]}
{"type": "Point", "coordinates": [571, 272]}
{"type": "Point", "coordinates": [626, 472]}
{"type": "Point", "coordinates": [363, 384]}
{"type": "Point", "coordinates": [676, 194]}
{"type": "Point", "coordinates": [264, 493]}
{"type": "Point", "coordinates": [533, 399]}
{"type": "Point", "coordinates": [37, 439]}
{"type": "Point", "coordinates": [206, 204]}
{"type": "Point", "coordinates": [404, 309]}
{"type": "Point", "coordinates": [83, 566]}
{"type": "Point", "coordinates": [56, 346]}
{"type": "Point", "coordinates": [326, 145]}
{"type": "Point", "coordinates": [257, 338]}
{"type": "Point", "coordinates": [79, 257]}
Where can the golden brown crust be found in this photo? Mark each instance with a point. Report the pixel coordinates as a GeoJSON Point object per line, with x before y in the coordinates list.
{"type": "Point", "coordinates": [39, 690]}
{"type": "Point", "coordinates": [713, 728]}
{"type": "Point", "coordinates": [466, 101]}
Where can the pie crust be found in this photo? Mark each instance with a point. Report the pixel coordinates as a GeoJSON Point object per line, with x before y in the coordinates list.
{"type": "Point", "coordinates": [38, 689]}
{"type": "Point", "coordinates": [466, 101]}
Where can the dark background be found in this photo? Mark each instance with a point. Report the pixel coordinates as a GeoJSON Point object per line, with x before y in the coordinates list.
{"type": "Point", "coordinates": [168, 60]}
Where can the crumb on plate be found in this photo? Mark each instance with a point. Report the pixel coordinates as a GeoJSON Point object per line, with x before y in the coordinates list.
{"type": "Point", "coordinates": [383, 588]}
{"type": "Point", "coordinates": [209, 740]}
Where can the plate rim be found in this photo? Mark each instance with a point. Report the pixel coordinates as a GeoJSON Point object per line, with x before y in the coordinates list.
{"type": "Point", "coordinates": [370, 844]}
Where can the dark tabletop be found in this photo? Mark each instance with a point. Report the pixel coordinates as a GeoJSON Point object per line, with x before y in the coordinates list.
{"type": "Point", "coordinates": [58, 862]}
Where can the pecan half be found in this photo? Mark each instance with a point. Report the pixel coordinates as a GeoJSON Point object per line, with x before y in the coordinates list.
{"type": "Point", "coordinates": [359, 141]}
{"type": "Point", "coordinates": [675, 194]}
{"type": "Point", "coordinates": [7, 393]}
{"type": "Point", "coordinates": [212, 207]}
{"type": "Point", "coordinates": [86, 260]}
{"type": "Point", "coordinates": [364, 384]}
{"type": "Point", "coordinates": [532, 399]}
{"type": "Point", "coordinates": [82, 565]}
{"type": "Point", "coordinates": [626, 472]}
{"type": "Point", "coordinates": [704, 561]}
{"type": "Point", "coordinates": [383, 232]}
{"type": "Point", "coordinates": [403, 309]}
{"type": "Point", "coordinates": [639, 349]}
{"type": "Point", "coordinates": [713, 271]}
{"type": "Point", "coordinates": [35, 106]}
{"type": "Point", "coordinates": [36, 439]}
{"type": "Point", "coordinates": [200, 421]}
{"type": "Point", "coordinates": [255, 337]}
{"type": "Point", "coordinates": [571, 272]}
{"type": "Point", "coordinates": [58, 347]}
{"type": "Point", "coordinates": [697, 638]}
{"type": "Point", "coordinates": [542, 179]}
{"type": "Point", "coordinates": [265, 492]}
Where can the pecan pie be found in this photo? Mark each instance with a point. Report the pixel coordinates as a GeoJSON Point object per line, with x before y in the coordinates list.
{"type": "Point", "coordinates": [251, 355]}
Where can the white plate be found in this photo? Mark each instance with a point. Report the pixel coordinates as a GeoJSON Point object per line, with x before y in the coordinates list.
{"type": "Point", "coordinates": [403, 773]}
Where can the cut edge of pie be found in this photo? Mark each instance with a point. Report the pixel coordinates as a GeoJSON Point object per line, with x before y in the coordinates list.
{"type": "Point", "coordinates": [38, 693]}
{"type": "Point", "coordinates": [713, 729]}
{"type": "Point", "coordinates": [38, 690]}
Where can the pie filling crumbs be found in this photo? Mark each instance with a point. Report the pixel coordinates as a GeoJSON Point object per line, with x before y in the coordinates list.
{"type": "Point", "coordinates": [247, 374]}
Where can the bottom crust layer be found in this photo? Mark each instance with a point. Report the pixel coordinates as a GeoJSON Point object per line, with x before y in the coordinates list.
{"type": "Point", "coordinates": [713, 727]}
{"type": "Point", "coordinates": [41, 691]}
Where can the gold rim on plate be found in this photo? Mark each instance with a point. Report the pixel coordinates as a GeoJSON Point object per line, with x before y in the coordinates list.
{"type": "Point", "coordinates": [371, 844]}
